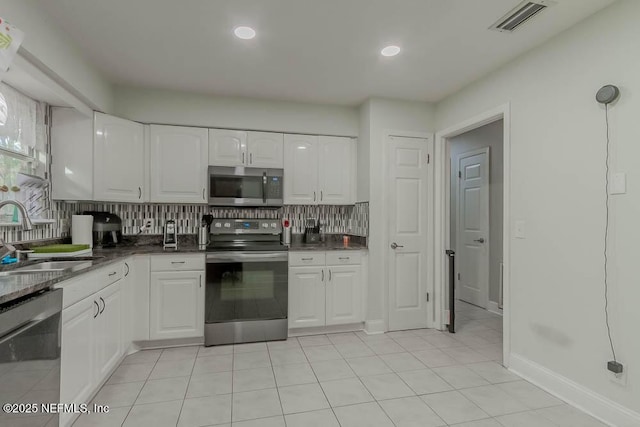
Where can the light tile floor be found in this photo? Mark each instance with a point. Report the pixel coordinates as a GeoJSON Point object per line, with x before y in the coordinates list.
{"type": "Point", "coordinates": [420, 378]}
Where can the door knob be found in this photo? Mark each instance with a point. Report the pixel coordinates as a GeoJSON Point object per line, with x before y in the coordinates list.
{"type": "Point", "coordinates": [480, 240]}
{"type": "Point", "coordinates": [394, 245]}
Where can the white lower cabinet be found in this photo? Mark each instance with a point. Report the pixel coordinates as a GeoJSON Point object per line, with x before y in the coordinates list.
{"type": "Point", "coordinates": [91, 344]}
{"type": "Point", "coordinates": [325, 289]}
{"type": "Point", "coordinates": [306, 297]}
{"type": "Point", "coordinates": [176, 297]}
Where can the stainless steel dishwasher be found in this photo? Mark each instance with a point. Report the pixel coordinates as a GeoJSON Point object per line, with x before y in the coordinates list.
{"type": "Point", "coordinates": [30, 335]}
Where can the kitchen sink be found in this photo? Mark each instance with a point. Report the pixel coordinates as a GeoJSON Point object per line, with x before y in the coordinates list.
{"type": "Point", "coordinates": [50, 267]}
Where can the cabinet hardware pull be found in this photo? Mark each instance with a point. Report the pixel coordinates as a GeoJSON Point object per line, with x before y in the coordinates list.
{"type": "Point", "coordinates": [243, 158]}
{"type": "Point", "coordinates": [139, 192]}
{"type": "Point", "coordinates": [128, 269]}
{"type": "Point", "coordinates": [104, 304]}
{"type": "Point", "coordinates": [203, 190]}
{"type": "Point", "coordinates": [250, 158]}
{"type": "Point", "coordinates": [343, 257]}
{"type": "Point", "coordinates": [177, 262]}
{"type": "Point", "coordinates": [314, 196]}
{"type": "Point", "coordinates": [201, 281]}
{"type": "Point", "coordinates": [329, 275]}
{"type": "Point", "coordinates": [321, 195]}
{"type": "Point", "coordinates": [97, 311]}
{"type": "Point", "coordinates": [323, 275]}
{"type": "Point", "coordinates": [306, 259]}
{"type": "Point", "coordinates": [112, 274]}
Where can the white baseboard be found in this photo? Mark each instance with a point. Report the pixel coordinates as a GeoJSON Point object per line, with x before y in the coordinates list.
{"type": "Point", "coordinates": [372, 327]}
{"type": "Point", "coordinates": [321, 330]}
{"type": "Point", "coordinates": [494, 308]}
{"type": "Point", "coordinates": [575, 394]}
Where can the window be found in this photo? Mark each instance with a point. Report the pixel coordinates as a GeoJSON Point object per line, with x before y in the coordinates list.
{"type": "Point", "coordinates": [22, 139]}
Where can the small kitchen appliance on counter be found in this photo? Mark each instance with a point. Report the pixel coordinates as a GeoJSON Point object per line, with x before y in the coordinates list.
{"type": "Point", "coordinates": [312, 231]}
{"type": "Point", "coordinates": [170, 235]}
{"type": "Point", "coordinates": [203, 231]}
{"type": "Point", "coordinates": [107, 229]}
{"type": "Point", "coordinates": [247, 282]}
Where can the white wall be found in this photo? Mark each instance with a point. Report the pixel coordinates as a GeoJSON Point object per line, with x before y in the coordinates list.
{"type": "Point", "coordinates": [557, 177]}
{"type": "Point", "coordinates": [491, 136]}
{"type": "Point", "coordinates": [364, 136]}
{"type": "Point", "coordinates": [53, 51]}
{"type": "Point", "coordinates": [386, 115]}
{"type": "Point", "coordinates": [190, 109]}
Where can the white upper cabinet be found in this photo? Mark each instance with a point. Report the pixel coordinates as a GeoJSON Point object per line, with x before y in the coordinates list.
{"type": "Point", "coordinates": [319, 170]}
{"type": "Point", "coordinates": [251, 149]}
{"type": "Point", "coordinates": [227, 147]}
{"type": "Point", "coordinates": [336, 172]}
{"type": "Point", "coordinates": [71, 155]}
{"type": "Point", "coordinates": [118, 166]}
{"type": "Point", "coordinates": [178, 170]}
{"type": "Point", "coordinates": [300, 170]}
{"type": "Point", "coordinates": [265, 150]}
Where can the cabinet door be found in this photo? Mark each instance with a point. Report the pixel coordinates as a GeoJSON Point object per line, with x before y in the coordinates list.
{"type": "Point", "coordinates": [118, 164]}
{"type": "Point", "coordinates": [300, 170]}
{"type": "Point", "coordinates": [71, 155]}
{"type": "Point", "coordinates": [306, 297]}
{"type": "Point", "coordinates": [265, 150]}
{"type": "Point", "coordinates": [227, 147]}
{"type": "Point", "coordinates": [108, 331]}
{"type": "Point", "coordinates": [344, 295]}
{"type": "Point", "coordinates": [176, 305]}
{"type": "Point", "coordinates": [178, 164]}
{"type": "Point", "coordinates": [335, 170]}
{"type": "Point", "coordinates": [77, 366]}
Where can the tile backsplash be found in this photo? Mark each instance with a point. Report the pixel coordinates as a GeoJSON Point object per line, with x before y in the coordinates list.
{"type": "Point", "coordinates": [352, 219]}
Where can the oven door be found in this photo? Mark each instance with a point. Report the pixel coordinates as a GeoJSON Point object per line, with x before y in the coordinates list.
{"type": "Point", "coordinates": [244, 286]}
{"type": "Point", "coordinates": [240, 186]}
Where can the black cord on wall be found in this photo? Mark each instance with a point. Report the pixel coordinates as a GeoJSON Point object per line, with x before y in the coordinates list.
{"type": "Point", "coordinates": [606, 238]}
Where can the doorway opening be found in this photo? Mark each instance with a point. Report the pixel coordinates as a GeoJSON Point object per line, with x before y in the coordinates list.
{"type": "Point", "coordinates": [472, 183]}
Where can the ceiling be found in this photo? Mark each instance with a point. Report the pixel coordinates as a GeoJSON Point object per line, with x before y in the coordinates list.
{"type": "Point", "coordinates": [321, 51]}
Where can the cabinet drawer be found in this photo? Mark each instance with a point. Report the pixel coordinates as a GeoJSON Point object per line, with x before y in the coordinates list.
{"type": "Point", "coordinates": [87, 284]}
{"type": "Point", "coordinates": [177, 262]}
{"type": "Point", "coordinates": [306, 258]}
{"type": "Point", "coordinates": [344, 257]}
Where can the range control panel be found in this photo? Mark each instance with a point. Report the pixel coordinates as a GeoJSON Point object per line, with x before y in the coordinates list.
{"type": "Point", "coordinates": [246, 226]}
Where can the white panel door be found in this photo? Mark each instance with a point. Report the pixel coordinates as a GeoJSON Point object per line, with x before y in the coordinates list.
{"type": "Point", "coordinates": [335, 170]}
{"type": "Point", "coordinates": [118, 163]}
{"type": "Point", "coordinates": [472, 257]}
{"type": "Point", "coordinates": [343, 295]}
{"type": "Point", "coordinates": [77, 361]}
{"type": "Point", "coordinates": [306, 297]}
{"type": "Point", "coordinates": [178, 164]}
{"type": "Point", "coordinates": [108, 330]}
{"type": "Point", "coordinates": [227, 147]}
{"type": "Point", "coordinates": [265, 150]}
{"type": "Point", "coordinates": [408, 189]}
{"type": "Point", "coordinates": [301, 170]}
{"type": "Point", "coordinates": [176, 305]}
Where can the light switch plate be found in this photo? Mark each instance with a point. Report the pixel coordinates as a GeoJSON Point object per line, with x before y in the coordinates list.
{"type": "Point", "coordinates": [518, 229]}
{"type": "Point", "coordinates": [618, 183]}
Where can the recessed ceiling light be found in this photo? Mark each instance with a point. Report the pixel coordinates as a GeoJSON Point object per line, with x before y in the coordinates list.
{"type": "Point", "coordinates": [244, 33]}
{"type": "Point", "coordinates": [390, 51]}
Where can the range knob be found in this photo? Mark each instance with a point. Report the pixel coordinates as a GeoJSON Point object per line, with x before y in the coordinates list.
{"type": "Point", "coordinates": [274, 225]}
{"type": "Point", "coordinates": [227, 225]}
{"type": "Point", "coordinates": [265, 225]}
{"type": "Point", "coordinates": [217, 225]}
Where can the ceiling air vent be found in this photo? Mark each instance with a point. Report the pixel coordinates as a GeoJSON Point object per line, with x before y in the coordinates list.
{"type": "Point", "coordinates": [520, 14]}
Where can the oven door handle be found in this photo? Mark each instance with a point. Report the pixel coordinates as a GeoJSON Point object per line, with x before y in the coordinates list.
{"type": "Point", "coordinates": [222, 257]}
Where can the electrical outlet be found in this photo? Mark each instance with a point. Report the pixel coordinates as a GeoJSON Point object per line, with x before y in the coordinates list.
{"type": "Point", "coordinates": [621, 378]}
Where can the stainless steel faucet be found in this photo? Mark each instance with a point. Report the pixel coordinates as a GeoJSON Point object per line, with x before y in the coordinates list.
{"type": "Point", "coordinates": [8, 249]}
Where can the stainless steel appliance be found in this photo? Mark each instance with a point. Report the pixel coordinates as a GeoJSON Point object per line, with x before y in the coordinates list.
{"type": "Point", "coordinates": [240, 186]}
{"type": "Point", "coordinates": [30, 329]}
{"type": "Point", "coordinates": [246, 290]}
{"type": "Point", "coordinates": [107, 229]}
{"type": "Point", "coordinates": [170, 235]}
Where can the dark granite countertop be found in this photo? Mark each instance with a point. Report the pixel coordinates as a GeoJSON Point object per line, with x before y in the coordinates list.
{"type": "Point", "coordinates": [331, 242]}
{"type": "Point", "coordinates": [19, 285]}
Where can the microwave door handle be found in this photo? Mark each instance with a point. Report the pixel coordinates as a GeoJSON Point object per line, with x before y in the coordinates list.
{"type": "Point", "coordinates": [264, 187]}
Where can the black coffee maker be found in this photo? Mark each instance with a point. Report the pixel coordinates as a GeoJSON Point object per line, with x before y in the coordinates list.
{"type": "Point", "coordinates": [107, 229]}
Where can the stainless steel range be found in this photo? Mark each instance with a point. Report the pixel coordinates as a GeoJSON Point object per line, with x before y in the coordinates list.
{"type": "Point", "coordinates": [246, 282]}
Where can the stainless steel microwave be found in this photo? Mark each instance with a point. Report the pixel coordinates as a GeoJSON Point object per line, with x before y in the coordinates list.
{"type": "Point", "coordinates": [240, 186]}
